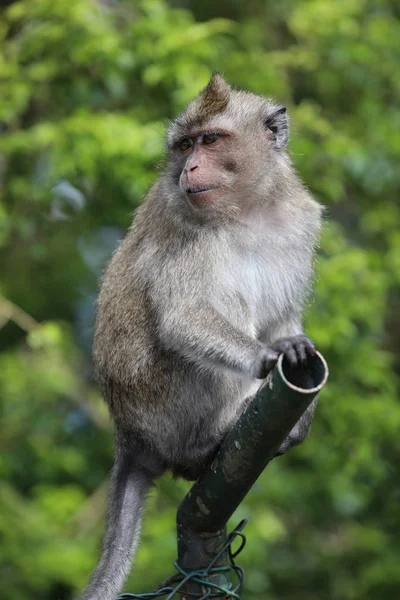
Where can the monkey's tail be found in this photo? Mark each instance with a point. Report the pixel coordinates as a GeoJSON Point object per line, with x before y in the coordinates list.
{"type": "Point", "coordinates": [127, 493]}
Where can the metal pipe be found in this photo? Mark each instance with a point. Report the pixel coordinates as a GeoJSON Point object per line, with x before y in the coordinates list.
{"type": "Point", "coordinates": [245, 452]}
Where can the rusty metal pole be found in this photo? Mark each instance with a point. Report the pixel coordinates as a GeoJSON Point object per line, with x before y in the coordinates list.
{"type": "Point", "coordinates": [248, 448]}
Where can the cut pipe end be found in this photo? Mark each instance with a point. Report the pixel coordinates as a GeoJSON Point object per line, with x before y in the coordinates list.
{"type": "Point", "coordinates": [306, 378]}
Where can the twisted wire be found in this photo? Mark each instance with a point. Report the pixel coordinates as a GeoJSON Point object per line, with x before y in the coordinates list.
{"type": "Point", "coordinates": [201, 576]}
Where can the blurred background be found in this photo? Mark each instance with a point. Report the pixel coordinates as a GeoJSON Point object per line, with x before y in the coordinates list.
{"type": "Point", "coordinates": [86, 87]}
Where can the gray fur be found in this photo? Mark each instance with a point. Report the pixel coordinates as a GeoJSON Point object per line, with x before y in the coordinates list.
{"type": "Point", "coordinates": [192, 305]}
{"type": "Point", "coordinates": [127, 492]}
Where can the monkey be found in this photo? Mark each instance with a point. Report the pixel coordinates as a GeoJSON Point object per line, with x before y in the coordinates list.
{"type": "Point", "coordinates": [204, 293]}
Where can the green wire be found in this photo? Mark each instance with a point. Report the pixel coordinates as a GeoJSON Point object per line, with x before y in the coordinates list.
{"type": "Point", "coordinates": [201, 576]}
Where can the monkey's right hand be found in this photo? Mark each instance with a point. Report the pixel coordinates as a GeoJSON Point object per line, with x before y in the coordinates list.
{"type": "Point", "coordinates": [264, 363]}
{"type": "Point", "coordinates": [296, 348]}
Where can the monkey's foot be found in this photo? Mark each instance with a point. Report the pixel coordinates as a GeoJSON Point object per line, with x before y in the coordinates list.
{"type": "Point", "coordinates": [295, 349]}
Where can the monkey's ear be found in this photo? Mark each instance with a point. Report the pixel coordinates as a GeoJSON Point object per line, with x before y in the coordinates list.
{"type": "Point", "coordinates": [277, 126]}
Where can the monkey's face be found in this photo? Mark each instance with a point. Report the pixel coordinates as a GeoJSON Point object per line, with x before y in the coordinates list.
{"type": "Point", "coordinates": [209, 166]}
{"type": "Point", "coordinates": [223, 147]}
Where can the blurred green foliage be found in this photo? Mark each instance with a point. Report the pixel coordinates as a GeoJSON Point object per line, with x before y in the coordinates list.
{"type": "Point", "coordinates": [85, 88]}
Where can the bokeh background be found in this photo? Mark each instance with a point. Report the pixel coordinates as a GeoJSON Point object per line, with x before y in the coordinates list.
{"type": "Point", "coordinates": [86, 87]}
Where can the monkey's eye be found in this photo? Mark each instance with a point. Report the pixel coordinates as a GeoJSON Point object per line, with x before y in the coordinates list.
{"type": "Point", "coordinates": [185, 144]}
{"type": "Point", "coordinates": [210, 138]}
{"type": "Point", "coordinates": [271, 127]}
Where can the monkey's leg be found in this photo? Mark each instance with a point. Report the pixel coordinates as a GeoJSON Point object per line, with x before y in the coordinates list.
{"type": "Point", "coordinates": [128, 487]}
{"type": "Point", "coordinates": [300, 431]}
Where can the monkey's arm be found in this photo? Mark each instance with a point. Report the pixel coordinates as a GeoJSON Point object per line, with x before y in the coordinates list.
{"type": "Point", "coordinates": [200, 333]}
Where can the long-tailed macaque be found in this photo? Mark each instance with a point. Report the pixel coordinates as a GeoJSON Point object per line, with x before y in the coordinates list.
{"type": "Point", "coordinates": [197, 303]}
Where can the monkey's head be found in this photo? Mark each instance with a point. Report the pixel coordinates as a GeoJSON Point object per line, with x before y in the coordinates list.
{"type": "Point", "coordinates": [226, 147]}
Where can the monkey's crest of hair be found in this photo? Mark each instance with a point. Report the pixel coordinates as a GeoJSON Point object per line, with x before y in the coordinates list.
{"type": "Point", "coordinates": [212, 100]}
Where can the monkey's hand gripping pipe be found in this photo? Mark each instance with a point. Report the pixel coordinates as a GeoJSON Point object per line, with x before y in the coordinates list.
{"type": "Point", "coordinates": [205, 559]}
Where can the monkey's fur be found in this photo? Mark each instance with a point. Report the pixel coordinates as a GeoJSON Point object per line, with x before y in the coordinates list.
{"type": "Point", "coordinates": [197, 303]}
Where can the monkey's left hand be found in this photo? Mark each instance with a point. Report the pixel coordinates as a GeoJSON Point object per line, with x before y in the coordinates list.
{"type": "Point", "coordinates": [295, 348]}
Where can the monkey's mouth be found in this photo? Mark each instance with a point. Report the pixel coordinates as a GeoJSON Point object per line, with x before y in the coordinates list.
{"type": "Point", "coordinates": [200, 190]}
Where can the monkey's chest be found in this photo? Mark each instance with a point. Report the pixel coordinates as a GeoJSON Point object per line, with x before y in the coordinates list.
{"type": "Point", "coordinates": [266, 287]}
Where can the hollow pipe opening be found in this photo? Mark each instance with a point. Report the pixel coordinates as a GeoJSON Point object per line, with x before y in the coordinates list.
{"type": "Point", "coordinates": [307, 377]}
